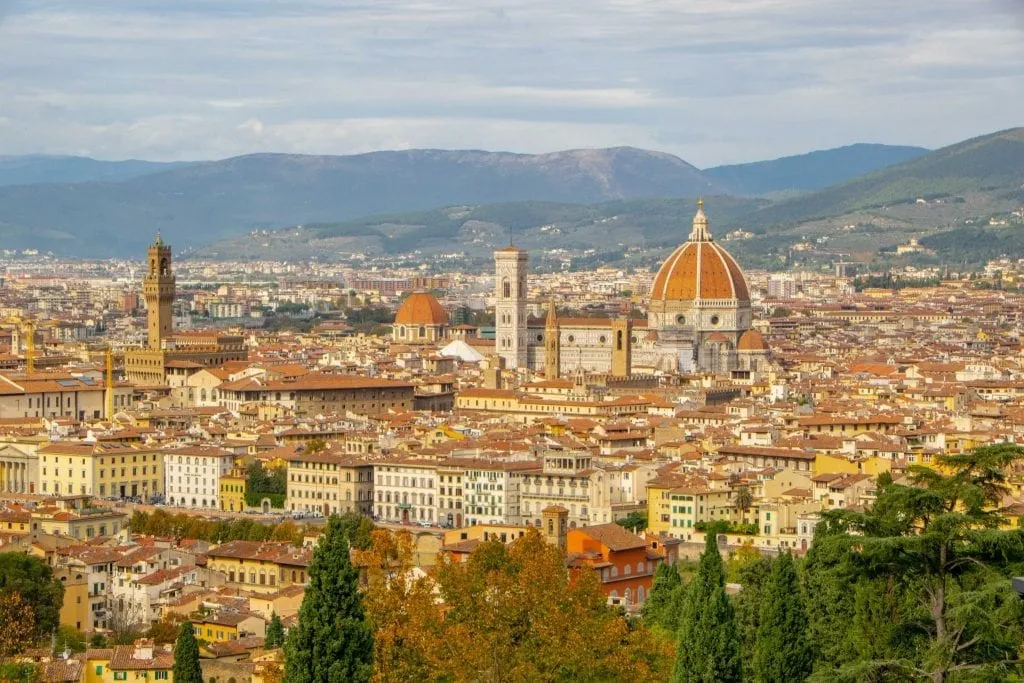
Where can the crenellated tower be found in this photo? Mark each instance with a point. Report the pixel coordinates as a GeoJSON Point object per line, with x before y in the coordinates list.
{"type": "Point", "coordinates": [158, 289]}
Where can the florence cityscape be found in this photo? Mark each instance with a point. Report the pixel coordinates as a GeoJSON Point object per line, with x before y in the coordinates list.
{"type": "Point", "coordinates": [417, 341]}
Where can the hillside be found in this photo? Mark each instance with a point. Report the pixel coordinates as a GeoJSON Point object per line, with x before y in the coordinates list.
{"type": "Point", "coordinates": [201, 202]}
{"type": "Point", "coordinates": [811, 171]}
{"type": "Point", "coordinates": [33, 169]}
{"type": "Point", "coordinates": [992, 164]}
{"type": "Point", "coordinates": [474, 231]}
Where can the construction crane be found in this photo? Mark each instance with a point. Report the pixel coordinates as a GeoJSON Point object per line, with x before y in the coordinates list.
{"type": "Point", "coordinates": [27, 328]}
{"type": "Point", "coordinates": [109, 386]}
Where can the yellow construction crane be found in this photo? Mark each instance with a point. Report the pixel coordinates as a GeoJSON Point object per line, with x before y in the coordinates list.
{"type": "Point", "coordinates": [27, 328]}
{"type": "Point", "coordinates": [109, 387]}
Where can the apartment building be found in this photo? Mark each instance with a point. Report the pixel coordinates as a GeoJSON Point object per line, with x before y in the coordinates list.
{"type": "Point", "coordinates": [193, 475]}
{"type": "Point", "coordinates": [329, 482]}
{"type": "Point", "coordinates": [105, 470]}
{"type": "Point", "coordinates": [405, 491]}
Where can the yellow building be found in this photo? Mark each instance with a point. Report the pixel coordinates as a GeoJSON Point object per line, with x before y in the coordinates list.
{"type": "Point", "coordinates": [260, 567]}
{"type": "Point", "coordinates": [232, 489]}
{"type": "Point", "coordinates": [329, 482]}
{"type": "Point", "coordinates": [224, 625]}
{"type": "Point", "coordinates": [137, 662]}
{"type": "Point", "coordinates": [105, 470]}
{"type": "Point", "coordinates": [76, 517]}
{"type": "Point", "coordinates": [74, 611]}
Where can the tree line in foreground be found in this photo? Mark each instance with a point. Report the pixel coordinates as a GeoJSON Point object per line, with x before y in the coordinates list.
{"type": "Point", "coordinates": [915, 588]}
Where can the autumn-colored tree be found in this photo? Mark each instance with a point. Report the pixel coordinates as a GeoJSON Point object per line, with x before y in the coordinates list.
{"type": "Point", "coordinates": [18, 621]}
{"type": "Point", "coordinates": [506, 613]}
{"type": "Point", "coordinates": [166, 630]}
{"type": "Point", "coordinates": [402, 608]}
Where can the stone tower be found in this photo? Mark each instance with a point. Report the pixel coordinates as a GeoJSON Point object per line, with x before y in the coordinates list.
{"type": "Point", "coordinates": [510, 307]}
{"type": "Point", "coordinates": [555, 523]}
{"type": "Point", "coordinates": [158, 290]}
{"type": "Point", "coordinates": [552, 345]}
{"type": "Point", "coordinates": [622, 347]}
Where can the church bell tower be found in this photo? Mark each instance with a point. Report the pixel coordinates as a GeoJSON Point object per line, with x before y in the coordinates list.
{"type": "Point", "coordinates": [552, 345]}
{"type": "Point", "coordinates": [510, 306]}
{"type": "Point", "coordinates": [158, 290]}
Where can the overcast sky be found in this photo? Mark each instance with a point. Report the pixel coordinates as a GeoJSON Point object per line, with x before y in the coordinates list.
{"type": "Point", "coordinates": [713, 81]}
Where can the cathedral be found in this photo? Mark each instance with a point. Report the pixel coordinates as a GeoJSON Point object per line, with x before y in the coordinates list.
{"type": "Point", "coordinates": [698, 320]}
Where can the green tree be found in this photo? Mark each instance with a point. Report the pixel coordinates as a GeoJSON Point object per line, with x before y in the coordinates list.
{"type": "Point", "coordinates": [358, 529]}
{"type": "Point", "coordinates": [332, 640]}
{"type": "Point", "coordinates": [743, 498]}
{"type": "Point", "coordinates": [32, 580]}
{"type": "Point", "coordinates": [709, 644]}
{"type": "Point", "coordinates": [925, 573]}
{"type": "Point", "coordinates": [750, 569]}
{"type": "Point", "coordinates": [275, 632]}
{"type": "Point", "coordinates": [69, 638]}
{"type": "Point", "coordinates": [634, 521]}
{"type": "Point", "coordinates": [783, 651]}
{"type": "Point", "coordinates": [664, 590]}
{"type": "Point", "coordinates": [186, 656]}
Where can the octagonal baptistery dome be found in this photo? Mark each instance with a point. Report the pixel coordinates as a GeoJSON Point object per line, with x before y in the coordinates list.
{"type": "Point", "coordinates": [700, 287]}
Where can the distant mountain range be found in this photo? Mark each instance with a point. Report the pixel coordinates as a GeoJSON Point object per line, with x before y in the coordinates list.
{"type": "Point", "coordinates": [41, 168]}
{"type": "Point", "coordinates": [114, 208]}
{"type": "Point", "coordinates": [811, 171]}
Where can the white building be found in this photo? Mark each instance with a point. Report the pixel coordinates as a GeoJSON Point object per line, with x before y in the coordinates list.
{"type": "Point", "coordinates": [405, 491]}
{"type": "Point", "coordinates": [192, 475]}
{"type": "Point", "coordinates": [490, 490]}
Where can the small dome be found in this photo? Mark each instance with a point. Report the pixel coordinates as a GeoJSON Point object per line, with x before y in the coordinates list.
{"type": "Point", "coordinates": [421, 308]}
{"type": "Point", "coordinates": [700, 270]}
{"type": "Point", "coordinates": [752, 340]}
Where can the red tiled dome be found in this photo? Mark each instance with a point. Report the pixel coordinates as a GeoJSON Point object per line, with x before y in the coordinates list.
{"type": "Point", "coordinates": [752, 340]}
{"type": "Point", "coordinates": [700, 269]}
{"type": "Point", "coordinates": [421, 308]}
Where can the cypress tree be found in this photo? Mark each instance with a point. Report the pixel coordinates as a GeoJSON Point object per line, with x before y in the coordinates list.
{"type": "Point", "coordinates": [186, 656]}
{"type": "Point", "coordinates": [332, 641]}
{"type": "Point", "coordinates": [783, 652]}
{"type": "Point", "coordinates": [709, 643]}
{"type": "Point", "coordinates": [658, 606]}
{"type": "Point", "coordinates": [275, 632]}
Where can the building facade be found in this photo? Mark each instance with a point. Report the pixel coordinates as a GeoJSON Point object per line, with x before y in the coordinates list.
{"type": "Point", "coordinates": [193, 475]}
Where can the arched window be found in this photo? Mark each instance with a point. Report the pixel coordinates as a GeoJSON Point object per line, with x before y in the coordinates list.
{"type": "Point", "coordinates": [618, 340]}
{"type": "Point", "coordinates": [639, 567]}
{"type": "Point", "coordinates": [626, 595]}
{"type": "Point", "coordinates": [163, 266]}
{"type": "Point", "coordinates": [506, 288]}
{"type": "Point", "coordinates": [627, 570]}
{"type": "Point", "coordinates": [640, 594]}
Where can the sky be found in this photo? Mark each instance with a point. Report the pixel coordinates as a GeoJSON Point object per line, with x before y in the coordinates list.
{"type": "Point", "coordinates": [712, 81]}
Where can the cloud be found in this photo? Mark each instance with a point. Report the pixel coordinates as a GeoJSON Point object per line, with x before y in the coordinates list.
{"type": "Point", "coordinates": [713, 82]}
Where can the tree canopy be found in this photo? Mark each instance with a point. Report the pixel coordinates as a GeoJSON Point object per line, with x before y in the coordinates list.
{"type": "Point", "coordinates": [332, 641]}
{"type": "Point", "coordinates": [33, 581]}
{"type": "Point", "coordinates": [918, 586]}
{"type": "Point", "coordinates": [510, 612]}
